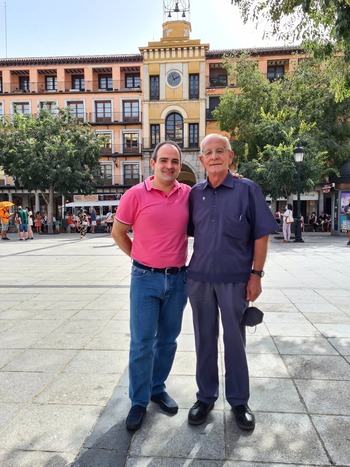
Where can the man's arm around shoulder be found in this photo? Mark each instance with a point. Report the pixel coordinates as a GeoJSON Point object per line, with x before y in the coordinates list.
{"type": "Point", "coordinates": [121, 237]}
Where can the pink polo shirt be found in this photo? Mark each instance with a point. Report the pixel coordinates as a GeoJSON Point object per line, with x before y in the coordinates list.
{"type": "Point", "coordinates": [159, 222]}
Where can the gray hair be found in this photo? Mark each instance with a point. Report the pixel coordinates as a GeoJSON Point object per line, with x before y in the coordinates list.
{"type": "Point", "coordinates": [224, 138]}
{"type": "Point", "coordinates": [163, 143]}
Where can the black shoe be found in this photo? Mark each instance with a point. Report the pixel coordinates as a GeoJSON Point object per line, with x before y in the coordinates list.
{"type": "Point", "coordinates": [348, 243]}
{"type": "Point", "coordinates": [199, 412]}
{"type": "Point", "coordinates": [244, 417]}
{"type": "Point", "coordinates": [135, 417]}
{"type": "Point", "coordinates": [165, 402]}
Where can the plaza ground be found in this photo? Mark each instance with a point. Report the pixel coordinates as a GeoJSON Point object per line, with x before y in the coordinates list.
{"type": "Point", "coordinates": [64, 339]}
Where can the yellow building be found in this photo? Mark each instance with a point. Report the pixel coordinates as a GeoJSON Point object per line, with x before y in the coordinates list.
{"type": "Point", "coordinates": [168, 91]}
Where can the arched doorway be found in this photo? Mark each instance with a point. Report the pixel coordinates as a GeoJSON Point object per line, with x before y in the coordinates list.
{"type": "Point", "coordinates": [187, 176]}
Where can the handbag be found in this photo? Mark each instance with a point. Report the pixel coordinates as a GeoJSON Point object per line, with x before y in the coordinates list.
{"type": "Point", "coordinates": [252, 316]}
{"type": "Point", "coordinates": [290, 218]}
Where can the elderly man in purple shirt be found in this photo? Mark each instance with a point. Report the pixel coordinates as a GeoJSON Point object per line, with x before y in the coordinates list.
{"type": "Point", "coordinates": [231, 223]}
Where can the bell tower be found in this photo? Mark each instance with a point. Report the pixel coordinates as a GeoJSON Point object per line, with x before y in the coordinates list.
{"type": "Point", "coordinates": [174, 100]}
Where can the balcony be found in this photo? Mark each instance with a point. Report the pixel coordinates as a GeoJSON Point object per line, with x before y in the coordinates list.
{"type": "Point", "coordinates": [114, 117]}
{"type": "Point", "coordinates": [185, 143]}
{"type": "Point", "coordinates": [66, 86]}
{"type": "Point", "coordinates": [121, 181]}
{"type": "Point", "coordinates": [121, 149]}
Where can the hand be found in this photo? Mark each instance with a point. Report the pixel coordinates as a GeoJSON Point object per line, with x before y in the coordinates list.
{"type": "Point", "coordinates": [236, 174]}
{"type": "Point", "coordinates": [254, 288]}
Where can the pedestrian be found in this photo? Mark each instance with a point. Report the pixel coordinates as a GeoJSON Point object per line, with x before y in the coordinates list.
{"type": "Point", "coordinates": [157, 211]}
{"type": "Point", "coordinates": [93, 220]}
{"type": "Point", "coordinates": [230, 221]}
{"type": "Point", "coordinates": [30, 223]}
{"type": "Point", "coordinates": [5, 222]}
{"type": "Point", "coordinates": [109, 221]}
{"type": "Point", "coordinates": [83, 223]}
{"type": "Point", "coordinates": [38, 222]}
{"type": "Point", "coordinates": [287, 225]}
{"type": "Point", "coordinates": [23, 226]}
{"type": "Point", "coordinates": [347, 213]}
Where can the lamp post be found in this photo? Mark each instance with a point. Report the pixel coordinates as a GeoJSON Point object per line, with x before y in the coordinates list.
{"type": "Point", "coordinates": [298, 157]}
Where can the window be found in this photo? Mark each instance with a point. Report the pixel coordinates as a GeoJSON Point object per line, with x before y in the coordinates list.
{"type": "Point", "coordinates": [131, 174]}
{"type": "Point", "coordinates": [154, 88]}
{"type": "Point", "coordinates": [76, 110]}
{"type": "Point", "coordinates": [131, 142]}
{"type": "Point", "coordinates": [193, 135]}
{"type": "Point", "coordinates": [275, 71]}
{"type": "Point", "coordinates": [106, 144]}
{"type": "Point", "coordinates": [174, 128]}
{"type": "Point", "coordinates": [78, 82]}
{"type": "Point", "coordinates": [24, 83]}
{"type": "Point", "coordinates": [21, 108]}
{"type": "Point", "coordinates": [132, 81]}
{"type": "Point", "coordinates": [155, 135]}
{"type": "Point", "coordinates": [105, 82]}
{"type": "Point", "coordinates": [50, 83]}
{"type": "Point", "coordinates": [194, 87]}
{"type": "Point", "coordinates": [0, 84]}
{"type": "Point", "coordinates": [131, 111]}
{"type": "Point", "coordinates": [1, 111]}
{"type": "Point", "coordinates": [103, 111]}
{"type": "Point", "coordinates": [107, 174]}
{"type": "Point", "coordinates": [49, 106]}
{"type": "Point", "coordinates": [213, 103]}
{"type": "Point", "coordinates": [218, 77]}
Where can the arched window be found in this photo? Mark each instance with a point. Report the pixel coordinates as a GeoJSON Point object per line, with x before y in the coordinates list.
{"type": "Point", "coordinates": [174, 128]}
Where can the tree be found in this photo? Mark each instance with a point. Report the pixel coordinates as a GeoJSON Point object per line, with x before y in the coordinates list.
{"type": "Point", "coordinates": [325, 21]}
{"type": "Point", "coordinates": [267, 119]}
{"type": "Point", "coordinates": [51, 152]}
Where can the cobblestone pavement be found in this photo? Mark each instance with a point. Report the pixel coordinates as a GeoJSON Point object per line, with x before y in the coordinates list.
{"type": "Point", "coordinates": [64, 339]}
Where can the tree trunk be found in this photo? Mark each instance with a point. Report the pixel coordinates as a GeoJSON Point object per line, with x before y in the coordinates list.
{"type": "Point", "coordinates": [50, 210]}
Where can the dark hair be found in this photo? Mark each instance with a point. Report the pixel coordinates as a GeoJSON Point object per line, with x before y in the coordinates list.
{"type": "Point", "coordinates": [289, 206]}
{"type": "Point", "coordinates": [159, 145]}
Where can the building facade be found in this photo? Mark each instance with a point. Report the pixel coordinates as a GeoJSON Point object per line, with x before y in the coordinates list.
{"type": "Point", "coordinates": [168, 91]}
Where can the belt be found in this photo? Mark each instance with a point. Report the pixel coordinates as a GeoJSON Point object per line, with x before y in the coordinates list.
{"type": "Point", "coordinates": [173, 270]}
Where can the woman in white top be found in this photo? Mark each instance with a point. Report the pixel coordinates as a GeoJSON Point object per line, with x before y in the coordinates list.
{"type": "Point", "coordinates": [287, 226]}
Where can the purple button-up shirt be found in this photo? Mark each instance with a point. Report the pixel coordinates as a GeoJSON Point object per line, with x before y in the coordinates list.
{"type": "Point", "coordinates": [225, 222]}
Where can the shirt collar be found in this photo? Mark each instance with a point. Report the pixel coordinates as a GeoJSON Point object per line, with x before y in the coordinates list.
{"type": "Point", "coordinates": [149, 186]}
{"type": "Point", "coordinates": [228, 182]}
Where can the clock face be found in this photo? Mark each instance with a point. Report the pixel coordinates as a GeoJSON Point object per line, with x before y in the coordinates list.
{"type": "Point", "coordinates": [174, 78]}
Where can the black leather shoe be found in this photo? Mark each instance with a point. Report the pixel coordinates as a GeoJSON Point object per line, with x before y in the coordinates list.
{"type": "Point", "coordinates": [244, 417]}
{"type": "Point", "coordinates": [198, 412]}
{"type": "Point", "coordinates": [165, 402]}
{"type": "Point", "coordinates": [135, 417]}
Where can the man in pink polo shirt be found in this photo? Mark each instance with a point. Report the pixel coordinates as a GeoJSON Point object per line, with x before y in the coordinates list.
{"type": "Point", "coordinates": [157, 210]}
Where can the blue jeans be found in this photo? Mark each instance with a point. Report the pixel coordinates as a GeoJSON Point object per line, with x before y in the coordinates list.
{"type": "Point", "coordinates": [157, 302]}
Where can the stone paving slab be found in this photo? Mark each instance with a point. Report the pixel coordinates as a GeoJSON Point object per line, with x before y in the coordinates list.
{"type": "Point", "coordinates": [64, 341]}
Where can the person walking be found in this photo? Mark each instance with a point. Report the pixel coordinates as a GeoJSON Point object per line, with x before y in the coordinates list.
{"type": "Point", "coordinates": [157, 211]}
{"type": "Point", "coordinates": [231, 222]}
{"type": "Point", "coordinates": [287, 226]}
{"type": "Point", "coordinates": [83, 223]}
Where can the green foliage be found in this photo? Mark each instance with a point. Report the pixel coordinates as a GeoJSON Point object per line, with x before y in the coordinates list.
{"type": "Point", "coordinates": [267, 120]}
{"type": "Point", "coordinates": [52, 150]}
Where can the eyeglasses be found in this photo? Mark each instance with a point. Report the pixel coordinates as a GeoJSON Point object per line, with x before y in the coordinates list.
{"type": "Point", "coordinates": [218, 151]}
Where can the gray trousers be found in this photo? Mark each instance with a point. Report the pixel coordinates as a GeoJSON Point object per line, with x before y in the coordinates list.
{"type": "Point", "coordinates": [207, 300]}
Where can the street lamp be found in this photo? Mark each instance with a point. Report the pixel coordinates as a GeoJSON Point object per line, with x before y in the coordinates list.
{"type": "Point", "coordinates": [298, 157]}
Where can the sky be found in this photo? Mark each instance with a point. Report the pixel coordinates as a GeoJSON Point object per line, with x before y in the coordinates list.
{"type": "Point", "coordinates": [39, 28]}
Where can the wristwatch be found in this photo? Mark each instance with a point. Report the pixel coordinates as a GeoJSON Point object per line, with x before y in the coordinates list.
{"type": "Point", "coordinates": [257, 273]}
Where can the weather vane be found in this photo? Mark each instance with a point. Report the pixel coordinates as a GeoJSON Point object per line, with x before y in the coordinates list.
{"type": "Point", "coordinates": [172, 9]}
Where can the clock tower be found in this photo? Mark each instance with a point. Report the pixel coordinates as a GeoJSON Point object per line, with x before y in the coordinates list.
{"type": "Point", "coordinates": [174, 100]}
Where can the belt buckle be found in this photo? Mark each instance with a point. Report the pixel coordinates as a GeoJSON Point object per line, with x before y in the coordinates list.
{"type": "Point", "coordinates": [171, 270]}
